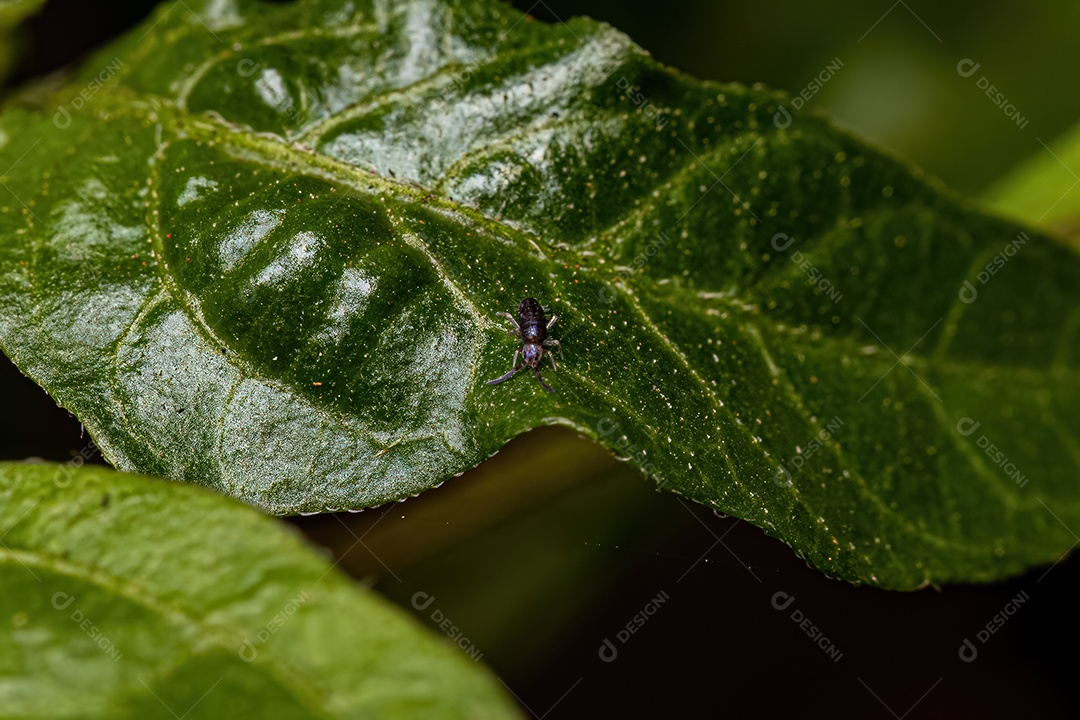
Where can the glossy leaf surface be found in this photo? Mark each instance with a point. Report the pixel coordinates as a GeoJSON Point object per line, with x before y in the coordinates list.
{"type": "Point", "coordinates": [268, 254]}
{"type": "Point", "coordinates": [132, 597]}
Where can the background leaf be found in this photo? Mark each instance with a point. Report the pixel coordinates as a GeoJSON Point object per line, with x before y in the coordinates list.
{"type": "Point", "coordinates": [270, 257]}
{"type": "Point", "coordinates": [141, 598]}
{"type": "Point", "coordinates": [1043, 191]}
{"type": "Point", "coordinates": [12, 12]}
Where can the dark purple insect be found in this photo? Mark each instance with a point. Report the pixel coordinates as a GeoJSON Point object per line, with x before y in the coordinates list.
{"type": "Point", "coordinates": [531, 329]}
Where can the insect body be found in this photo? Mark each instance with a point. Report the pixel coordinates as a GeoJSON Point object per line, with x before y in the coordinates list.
{"type": "Point", "coordinates": [531, 328]}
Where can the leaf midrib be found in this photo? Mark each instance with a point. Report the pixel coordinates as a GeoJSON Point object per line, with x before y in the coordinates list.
{"type": "Point", "coordinates": [317, 164]}
{"type": "Point", "coordinates": [340, 173]}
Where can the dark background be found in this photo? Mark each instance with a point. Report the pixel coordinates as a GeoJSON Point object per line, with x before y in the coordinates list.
{"type": "Point", "coordinates": [552, 546]}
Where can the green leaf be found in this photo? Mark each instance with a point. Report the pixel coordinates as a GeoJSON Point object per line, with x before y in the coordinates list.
{"type": "Point", "coordinates": [129, 597]}
{"type": "Point", "coordinates": [13, 12]}
{"type": "Point", "coordinates": [270, 259]}
{"type": "Point", "coordinates": [1043, 191]}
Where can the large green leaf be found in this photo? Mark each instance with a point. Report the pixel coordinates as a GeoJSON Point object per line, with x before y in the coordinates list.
{"type": "Point", "coordinates": [129, 597]}
{"type": "Point", "coordinates": [268, 257]}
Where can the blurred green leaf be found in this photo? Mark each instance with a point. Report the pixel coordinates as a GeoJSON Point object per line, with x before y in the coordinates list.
{"type": "Point", "coordinates": [269, 259]}
{"type": "Point", "coordinates": [129, 597]}
{"type": "Point", "coordinates": [12, 12]}
{"type": "Point", "coordinates": [1045, 190]}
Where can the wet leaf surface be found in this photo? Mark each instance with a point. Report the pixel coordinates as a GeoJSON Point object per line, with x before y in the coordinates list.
{"type": "Point", "coordinates": [267, 254]}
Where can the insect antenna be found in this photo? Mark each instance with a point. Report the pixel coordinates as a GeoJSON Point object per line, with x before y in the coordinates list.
{"type": "Point", "coordinates": [507, 376]}
{"type": "Point", "coordinates": [540, 380]}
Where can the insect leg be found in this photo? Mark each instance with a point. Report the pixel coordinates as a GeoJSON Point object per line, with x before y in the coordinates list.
{"type": "Point", "coordinates": [516, 332]}
{"type": "Point", "coordinates": [555, 344]}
